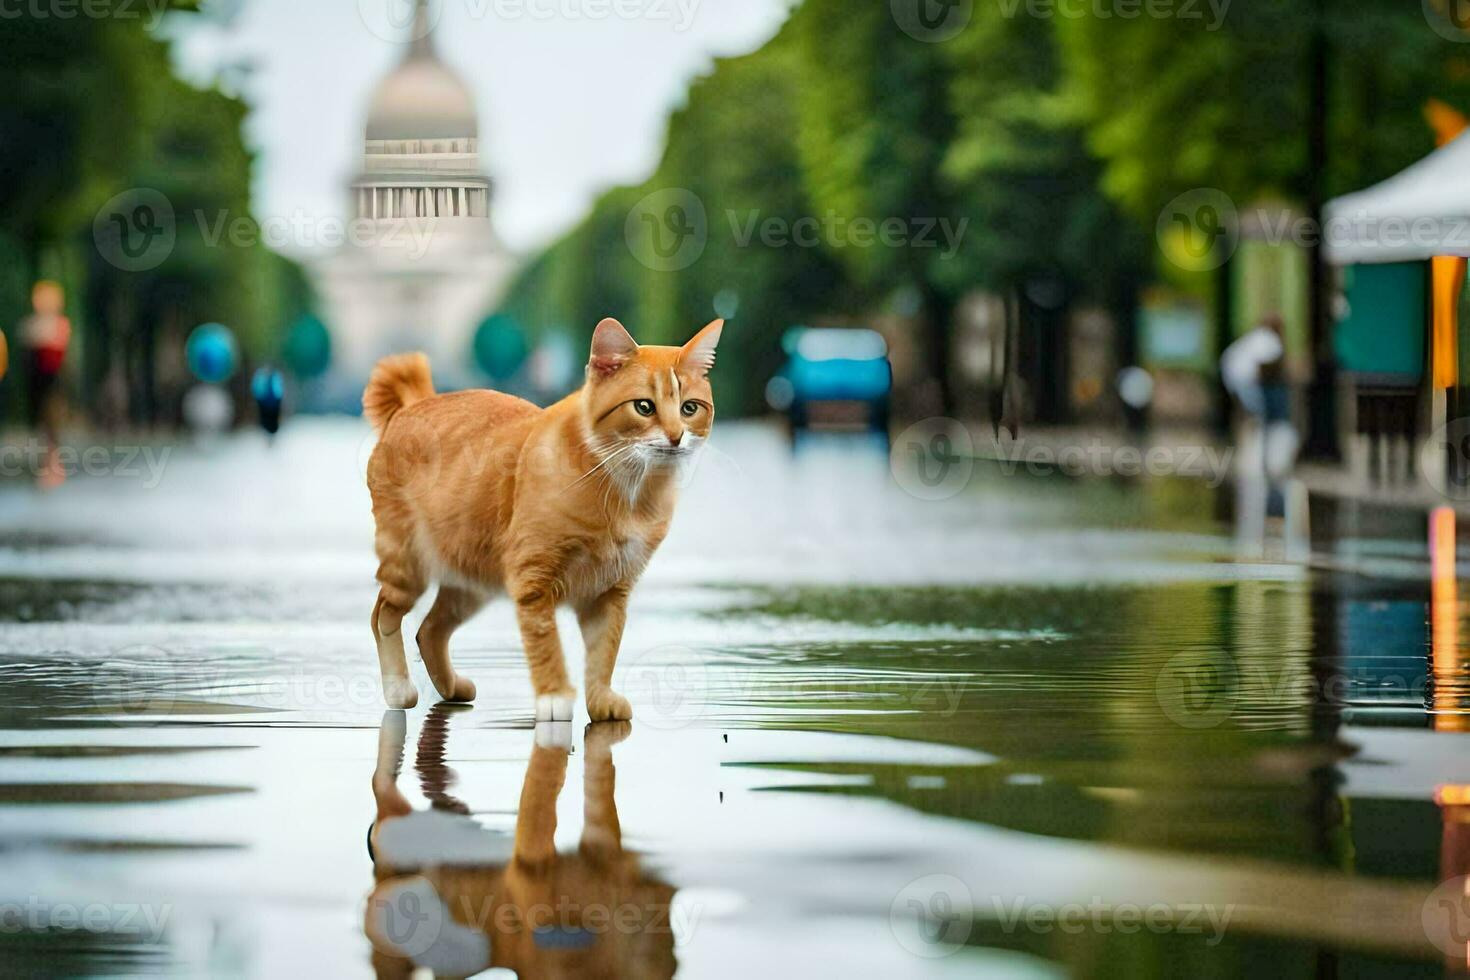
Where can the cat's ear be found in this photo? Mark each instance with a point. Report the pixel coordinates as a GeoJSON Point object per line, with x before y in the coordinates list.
{"type": "Point", "coordinates": [612, 346]}
{"type": "Point", "coordinates": [699, 354]}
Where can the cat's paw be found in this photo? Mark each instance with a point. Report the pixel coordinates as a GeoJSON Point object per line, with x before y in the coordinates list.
{"type": "Point", "coordinates": [608, 705]}
{"type": "Point", "coordinates": [464, 690]}
{"type": "Point", "coordinates": [399, 692]}
{"type": "Point", "coordinates": [601, 736]}
{"type": "Point", "coordinates": [555, 707]}
{"type": "Point", "coordinates": [554, 735]}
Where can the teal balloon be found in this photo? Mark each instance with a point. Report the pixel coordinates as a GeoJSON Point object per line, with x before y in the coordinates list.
{"type": "Point", "coordinates": [212, 352]}
{"type": "Point", "coordinates": [500, 346]}
{"type": "Point", "coordinates": [308, 348]}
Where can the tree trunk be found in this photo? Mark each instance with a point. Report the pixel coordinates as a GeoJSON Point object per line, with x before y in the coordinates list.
{"type": "Point", "coordinates": [1322, 437]}
{"type": "Point", "coordinates": [938, 313]}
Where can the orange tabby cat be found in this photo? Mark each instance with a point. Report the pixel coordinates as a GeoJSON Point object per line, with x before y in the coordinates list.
{"type": "Point", "coordinates": [487, 493]}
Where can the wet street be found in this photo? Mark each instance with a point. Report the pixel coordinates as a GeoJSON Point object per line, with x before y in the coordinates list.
{"type": "Point", "coordinates": [1042, 727]}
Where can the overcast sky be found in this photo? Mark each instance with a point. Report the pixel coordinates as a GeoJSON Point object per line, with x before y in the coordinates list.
{"type": "Point", "coordinates": [573, 95]}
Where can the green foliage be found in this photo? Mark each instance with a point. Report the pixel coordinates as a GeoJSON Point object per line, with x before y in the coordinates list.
{"type": "Point", "coordinates": [875, 126]}
{"type": "Point", "coordinates": [93, 109]}
{"type": "Point", "coordinates": [1056, 140]}
{"type": "Point", "coordinates": [1170, 105]}
{"type": "Point", "coordinates": [733, 146]}
{"type": "Point", "coordinates": [1019, 165]}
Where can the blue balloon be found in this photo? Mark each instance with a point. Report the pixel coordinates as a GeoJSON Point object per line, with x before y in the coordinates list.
{"type": "Point", "coordinates": [212, 352]}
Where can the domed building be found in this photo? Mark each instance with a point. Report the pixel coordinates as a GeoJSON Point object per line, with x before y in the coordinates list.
{"type": "Point", "coordinates": [422, 265]}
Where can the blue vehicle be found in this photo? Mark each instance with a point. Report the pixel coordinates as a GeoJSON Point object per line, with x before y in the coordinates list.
{"type": "Point", "coordinates": [833, 376]}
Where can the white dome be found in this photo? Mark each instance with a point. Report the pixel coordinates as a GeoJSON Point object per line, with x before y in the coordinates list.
{"type": "Point", "coordinates": [422, 99]}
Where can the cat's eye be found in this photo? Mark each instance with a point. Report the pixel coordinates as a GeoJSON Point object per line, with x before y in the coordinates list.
{"type": "Point", "coordinates": [689, 408]}
{"type": "Point", "coordinates": [643, 407]}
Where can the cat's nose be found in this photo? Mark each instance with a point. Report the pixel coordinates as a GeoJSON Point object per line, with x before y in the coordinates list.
{"type": "Point", "coordinates": [675, 438]}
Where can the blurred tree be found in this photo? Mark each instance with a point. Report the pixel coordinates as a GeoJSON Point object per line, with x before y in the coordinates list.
{"type": "Point", "coordinates": [92, 109]}
{"type": "Point", "coordinates": [875, 125]}
{"type": "Point", "coordinates": [1279, 97]}
{"type": "Point", "coordinates": [1171, 104]}
{"type": "Point", "coordinates": [731, 147]}
{"type": "Point", "coordinates": [1019, 167]}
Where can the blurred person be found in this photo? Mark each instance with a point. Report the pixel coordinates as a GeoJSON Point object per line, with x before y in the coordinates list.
{"type": "Point", "coordinates": [1253, 370]}
{"type": "Point", "coordinates": [46, 335]}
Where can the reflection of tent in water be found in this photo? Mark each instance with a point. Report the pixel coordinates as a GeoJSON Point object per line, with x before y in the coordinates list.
{"type": "Point", "coordinates": [1403, 244]}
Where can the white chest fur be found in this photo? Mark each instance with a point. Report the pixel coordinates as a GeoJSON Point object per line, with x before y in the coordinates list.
{"type": "Point", "coordinates": [594, 571]}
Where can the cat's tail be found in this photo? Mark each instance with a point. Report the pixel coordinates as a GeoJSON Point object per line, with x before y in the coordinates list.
{"type": "Point", "coordinates": [397, 382]}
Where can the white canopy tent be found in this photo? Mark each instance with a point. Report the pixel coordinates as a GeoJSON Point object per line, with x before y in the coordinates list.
{"type": "Point", "coordinates": [1418, 213]}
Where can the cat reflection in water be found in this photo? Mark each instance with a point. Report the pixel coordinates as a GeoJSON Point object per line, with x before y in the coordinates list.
{"type": "Point", "coordinates": [456, 898]}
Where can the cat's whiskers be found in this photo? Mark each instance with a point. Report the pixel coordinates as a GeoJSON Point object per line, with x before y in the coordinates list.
{"type": "Point", "coordinates": [603, 463]}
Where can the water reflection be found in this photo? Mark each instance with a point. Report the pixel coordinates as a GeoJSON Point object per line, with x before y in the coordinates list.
{"type": "Point", "coordinates": [457, 898]}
